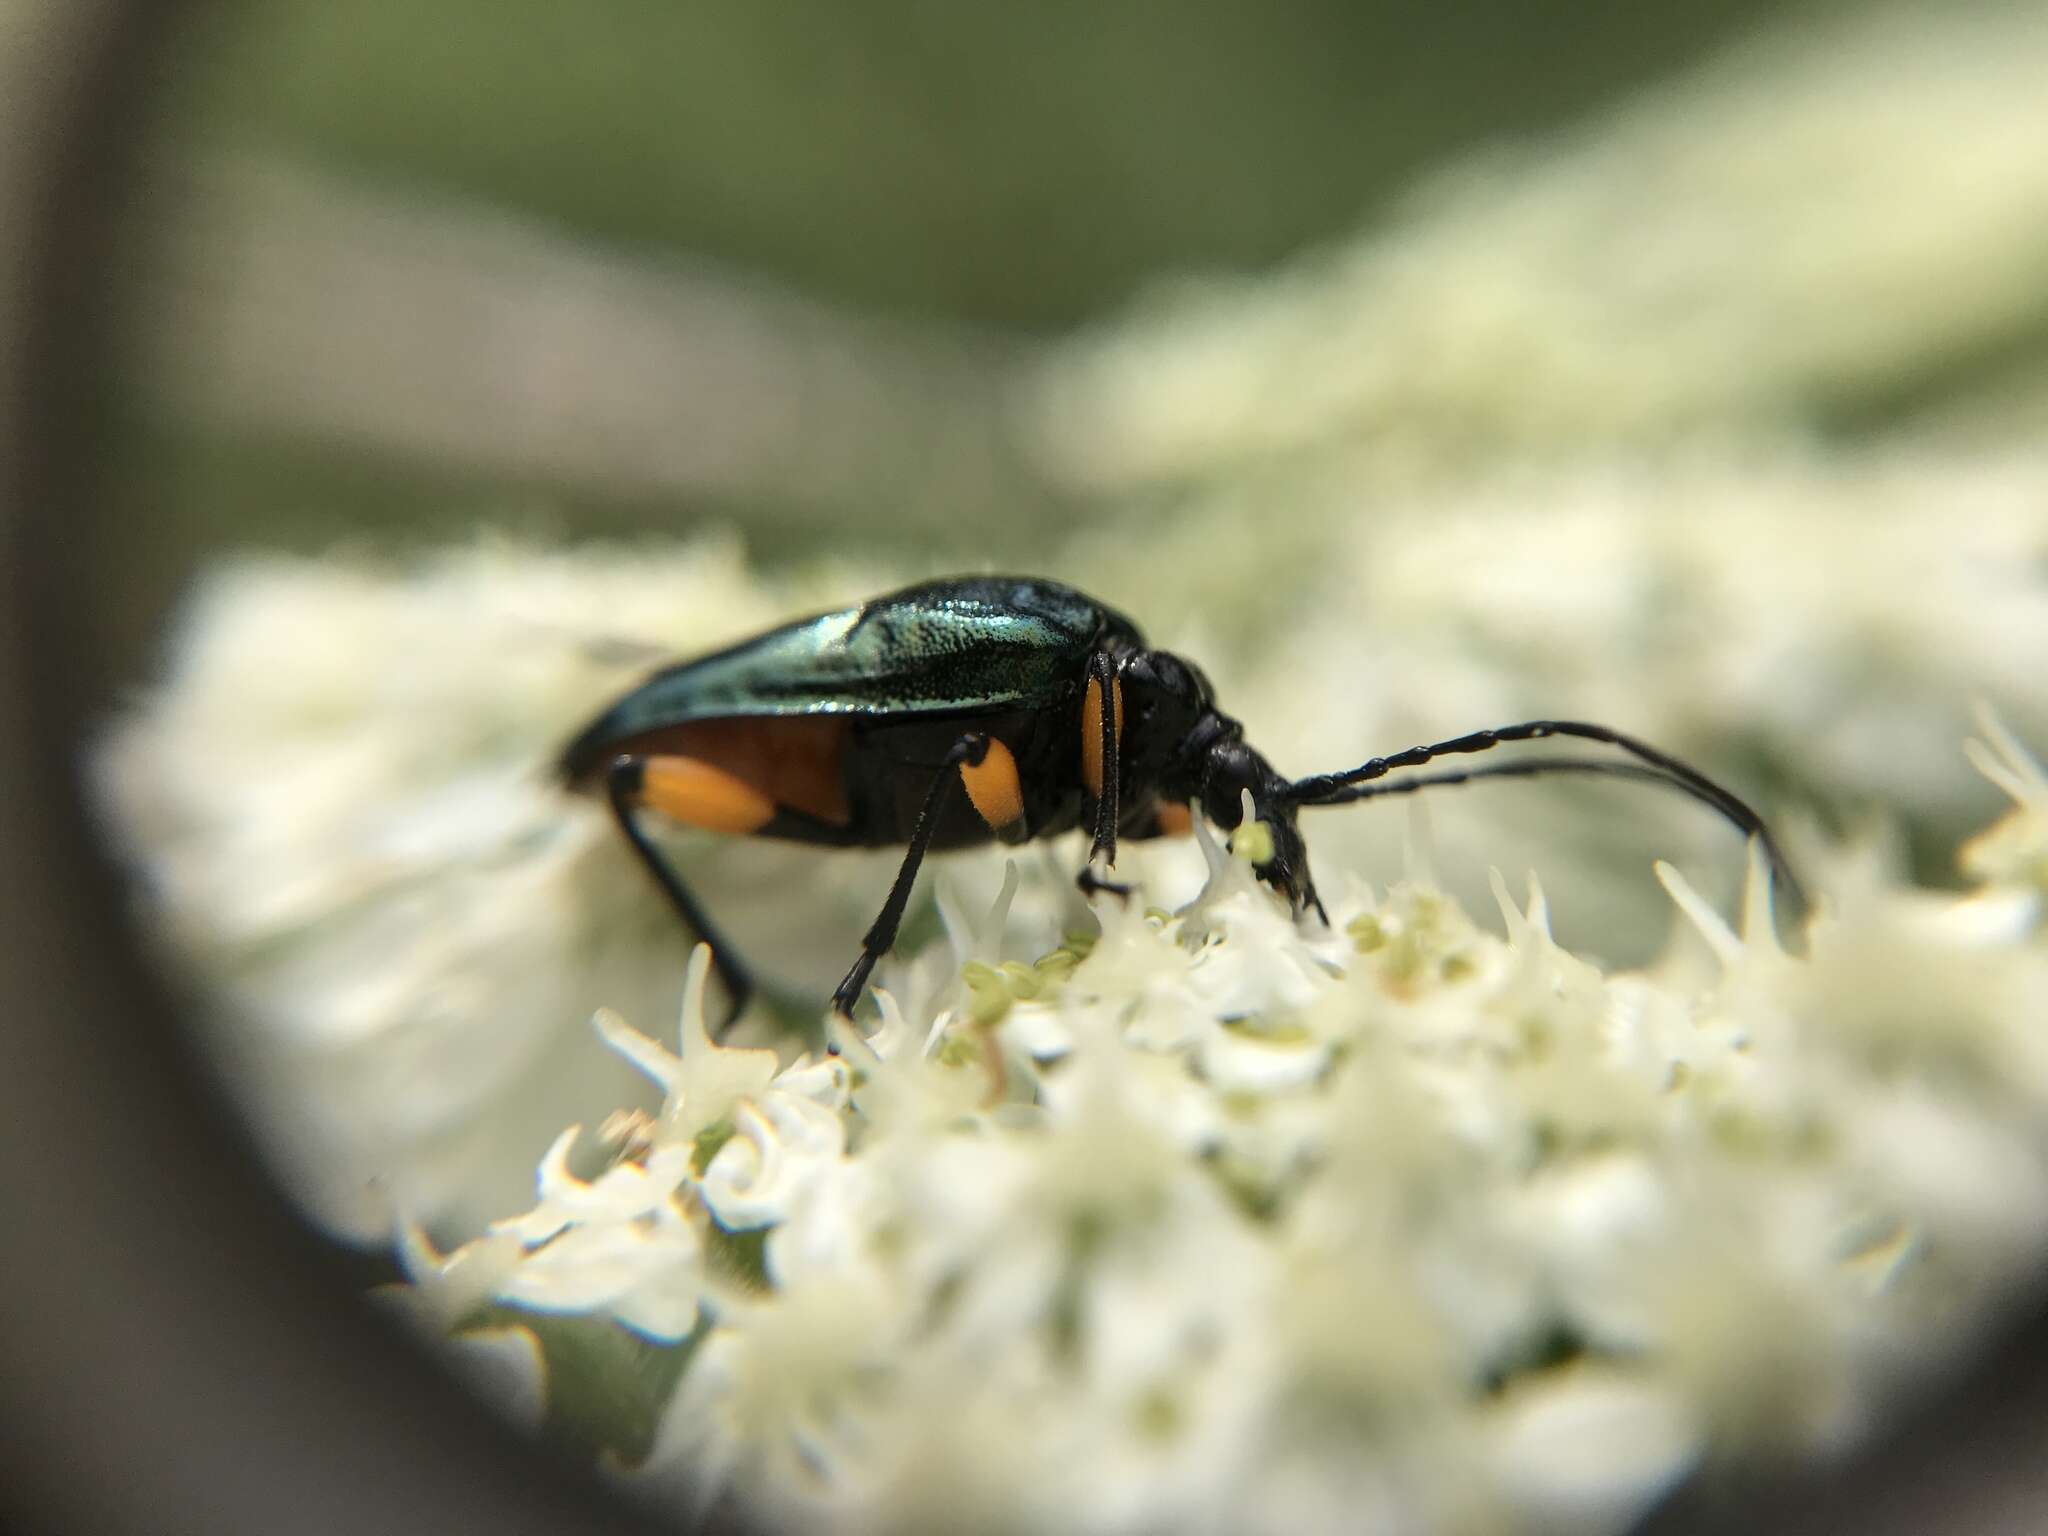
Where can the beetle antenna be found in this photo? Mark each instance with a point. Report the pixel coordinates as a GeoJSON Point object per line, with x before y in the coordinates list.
{"type": "Point", "coordinates": [1640, 772]}
{"type": "Point", "coordinates": [1359, 783]}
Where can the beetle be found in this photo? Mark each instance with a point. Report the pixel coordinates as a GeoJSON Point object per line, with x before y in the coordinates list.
{"type": "Point", "coordinates": [977, 708]}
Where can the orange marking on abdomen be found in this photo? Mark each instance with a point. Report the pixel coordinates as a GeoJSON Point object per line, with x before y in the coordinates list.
{"type": "Point", "coordinates": [993, 786]}
{"type": "Point", "coordinates": [1175, 819]}
{"type": "Point", "coordinates": [798, 761]}
{"type": "Point", "coordinates": [699, 795]}
{"type": "Point", "coordinates": [1091, 730]}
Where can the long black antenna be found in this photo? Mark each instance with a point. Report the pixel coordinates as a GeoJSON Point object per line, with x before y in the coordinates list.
{"type": "Point", "coordinates": [1360, 783]}
{"type": "Point", "coordinates": [1528, 769]}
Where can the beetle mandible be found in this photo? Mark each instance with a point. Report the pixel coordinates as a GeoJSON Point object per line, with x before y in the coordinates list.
{"type": "Point", "coordinates": [974, 708]}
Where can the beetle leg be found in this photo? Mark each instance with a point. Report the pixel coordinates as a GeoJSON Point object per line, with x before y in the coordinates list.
{"type": "Point", "coordinates": [624, 784]}
{"type": "Point", "coordinates": [1090, 882]}
{"type": "Point", "coordinates": [970, 751]}
{"type": "Point", "coordinates": [1103, 714]}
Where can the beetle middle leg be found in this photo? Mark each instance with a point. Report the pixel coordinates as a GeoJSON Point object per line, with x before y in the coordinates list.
{"type": "Point", "coordinates": [990, 782]}
{"type": "Point", "coordinates": [627, 784]}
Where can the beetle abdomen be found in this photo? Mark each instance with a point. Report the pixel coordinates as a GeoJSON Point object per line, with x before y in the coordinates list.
{"type": "Point", "coordinates": [797, 761]}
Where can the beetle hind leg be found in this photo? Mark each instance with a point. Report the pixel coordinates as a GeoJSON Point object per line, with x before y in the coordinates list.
{"type": "Point", "coordinates": [626, 790]}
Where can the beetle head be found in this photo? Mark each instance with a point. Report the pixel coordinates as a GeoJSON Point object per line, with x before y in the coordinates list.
{"type": "Point", "coordinates": [1231, 771]}
{"type": "Point", "coordinates": [1176, 738]}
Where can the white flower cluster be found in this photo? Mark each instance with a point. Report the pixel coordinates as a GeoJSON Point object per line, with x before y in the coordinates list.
{"type": "Point", "coordinates": [340, 810]}
{"type": "Point", "coordinates": [1811, 625]}
{"type": "Point", "coordinates": [1218, 1222]}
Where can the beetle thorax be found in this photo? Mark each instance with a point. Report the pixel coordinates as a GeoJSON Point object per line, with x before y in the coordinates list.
{"type": "Point", "coordinates": [1170, 723]}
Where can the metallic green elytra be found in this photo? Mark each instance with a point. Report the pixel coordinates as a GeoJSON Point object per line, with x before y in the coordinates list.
{"type": "Point", "coordinates": [975, 708]}
{"type": "Point", "coordinates": [962, 647]}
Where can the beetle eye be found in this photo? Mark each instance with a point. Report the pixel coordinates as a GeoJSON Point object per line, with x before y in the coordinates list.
{"type": "Point", "coordinates": [1230, 775]}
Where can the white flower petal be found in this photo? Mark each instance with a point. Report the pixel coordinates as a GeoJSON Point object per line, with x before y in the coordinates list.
{"type": "Point", "coordinates": [779, 1148]}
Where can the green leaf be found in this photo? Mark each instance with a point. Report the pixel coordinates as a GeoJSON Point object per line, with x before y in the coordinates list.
{"type": "Point", "coordinates": [606, 1384]}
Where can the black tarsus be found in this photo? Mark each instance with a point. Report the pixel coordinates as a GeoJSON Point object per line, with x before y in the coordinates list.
{"type": "Point", "coordinates": [970, 749]}
{"type": "Point", "coordinates": [1345, 788]}
{"type": "Point", "coordinates": [622, 785]}
{"type": "Point", "coordinates": [1090, 883]}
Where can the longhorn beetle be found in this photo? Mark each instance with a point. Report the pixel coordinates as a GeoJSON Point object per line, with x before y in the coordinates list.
{"type": "Point", "coordinates": [991, 707]}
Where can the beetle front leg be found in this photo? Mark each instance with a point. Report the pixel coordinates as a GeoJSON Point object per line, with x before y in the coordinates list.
{"type": "Point", "coordinates": [969, 753]}
{"type": "Point", "coordinates": [1089, 882]}
{"type": "Point", "coordinates": [1102, 721]}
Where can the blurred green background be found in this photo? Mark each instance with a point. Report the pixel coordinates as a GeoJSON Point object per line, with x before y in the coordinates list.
{"type": "Point", "coordinates": [1009, 172]}
{"type": "Point", "coordinates": [1177, 301]}
{"type": "Point", "coordinates": [1018, 166]}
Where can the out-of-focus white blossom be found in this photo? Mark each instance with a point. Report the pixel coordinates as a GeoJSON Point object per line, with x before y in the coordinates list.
{"type": "Point", "coordinates": [2013, 854]}
{"type": "Point", "coordinates": [616, 1245]}
{"type": "Point", "coordinates": [1802, 231]}
{"type": "Point", "coordinates": [343, 815]}
{"type": "Point", "coordinates": [1815, 622]}
{"type": "Point", "coordinates": [1223, 1222]}
{"type": "Point", "coordinates": [445, 1295]}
